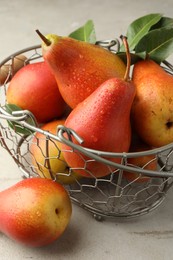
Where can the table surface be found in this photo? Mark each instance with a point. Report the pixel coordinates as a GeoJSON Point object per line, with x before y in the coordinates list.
{"type": "Point", "coordinates": [146, 237]}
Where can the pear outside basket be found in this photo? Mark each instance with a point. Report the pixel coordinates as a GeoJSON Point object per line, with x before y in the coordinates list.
{"type": "Point", "coordinates": [111, 196]}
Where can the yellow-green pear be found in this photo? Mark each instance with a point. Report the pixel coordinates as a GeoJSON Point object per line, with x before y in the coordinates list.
{"type": "Point", "coordinates": [47, 158]}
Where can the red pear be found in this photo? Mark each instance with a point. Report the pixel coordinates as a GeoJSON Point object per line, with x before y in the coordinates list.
{"type": "Point", "coordinates": [34, 88]}
{"type": "Point", "coordinates": [103, 121]}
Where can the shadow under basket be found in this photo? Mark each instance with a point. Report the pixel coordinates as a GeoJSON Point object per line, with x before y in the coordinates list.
{"type": "Point", "coordinates": [127, 191]}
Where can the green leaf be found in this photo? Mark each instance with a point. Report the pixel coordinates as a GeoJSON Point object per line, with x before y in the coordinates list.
{"type": "Point", "coordinates": [10, 108]}
{"type": "Point", "coordinates": [85, 33]}
{"type": "Point", "coordinates": [142, 55]}
{"type": "Point", "coordinates": [140, 27]}
{"type": "Point", "coordinates": [163, 22]}
{"type": "Point", "coordinates": [157, 43]}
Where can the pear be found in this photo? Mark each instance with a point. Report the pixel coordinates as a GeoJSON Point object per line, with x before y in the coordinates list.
{"type": "Point", "coordinates": [152, 110]}
{"type": "Point", "coordinates": [35, 211]}
{"type": "Point", "coordinates": [47, 158]}
{"type": "Point", "coordinates": [9, 70]}
{"type": "Point", "coordinates": [146, 162]}
{"type": "Point", "coordinates": [34, 88]}
{"type": "Point", "coordinates": [102, 120]}
{"type": "Point", "coordinates": [79, 67]}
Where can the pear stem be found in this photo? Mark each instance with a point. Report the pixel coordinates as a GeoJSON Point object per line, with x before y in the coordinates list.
{"type": "Point", "coordinates": [127, 72]}
{"type": "Point", "coordinates": [44, 39]}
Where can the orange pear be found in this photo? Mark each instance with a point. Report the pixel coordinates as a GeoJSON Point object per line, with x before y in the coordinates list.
{"type": "Point", "coordinates": [79, 67]}
{"type": "Point", "coordinates": [152, 110]}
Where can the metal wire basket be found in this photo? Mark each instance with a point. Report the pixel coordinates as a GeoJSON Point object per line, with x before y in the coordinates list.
{"type": "Point", "coordinates": [110, 196]}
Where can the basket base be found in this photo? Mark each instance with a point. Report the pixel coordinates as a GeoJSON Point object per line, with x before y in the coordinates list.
{"type": "Point", "coordinates": [105, 199]}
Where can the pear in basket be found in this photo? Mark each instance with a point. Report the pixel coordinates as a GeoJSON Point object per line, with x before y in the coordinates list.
{"type": "Point", "coordinates": [47, 158]}
{"type": "Point", "coordinates": [34, 88]}
{"type": "Point", "coordinates": [79, 67]}
{"type": "Point", "coordinates": [141, 162]}
{"type": "Point", "coordinates": [102, 120]}
{"type": "Point", "coordinates": [8, 70]}
{"type": "Point", "coordinates": [152, 110]}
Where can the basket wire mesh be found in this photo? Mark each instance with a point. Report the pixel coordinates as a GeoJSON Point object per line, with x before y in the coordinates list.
{"type": "Point", "coordinates": [109, 196]}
